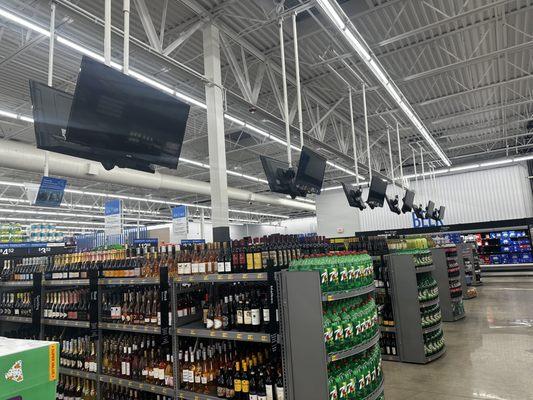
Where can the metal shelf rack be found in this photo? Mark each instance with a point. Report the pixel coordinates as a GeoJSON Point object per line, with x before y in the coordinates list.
{"type": "Point", "coordinates": [346, 294]}
{"type": "Point", "coordinates": [339, 355]}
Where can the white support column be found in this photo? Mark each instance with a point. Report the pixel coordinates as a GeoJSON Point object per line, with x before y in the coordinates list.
{"type": "Point", "coordinates": [107, 32]}
{"type": "Point", "coordinates": [215, 133]}
{"type": "Point", "coordinates": [52, 44]}
{"type": "Point", "coordinates": [126, 10]}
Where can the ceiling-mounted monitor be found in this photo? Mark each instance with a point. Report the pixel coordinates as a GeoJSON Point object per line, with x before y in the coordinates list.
{"type": "Point", "coordinates": [442, 210]}
{"type": "Point", "coordinates": [311, 168]}
{"type": "Point", "coordinates": [51, 110]}
{"type": "Point", "coordinates": [376, 193]}
{"type": "Point", "coordinates": [430, 208]}
{"type": "Point", "coordinates": [408, 201]}
{"type": "Point", "coordinates": [114, 112]}
{"type": "Point", "coordinates": [419, 211]}
{"type": "Point", "coordinates": [354, 197]}
{"type": "Point", "coordinates": [393, 204]}
{"type": "Point", "coordinates": [277, 174]}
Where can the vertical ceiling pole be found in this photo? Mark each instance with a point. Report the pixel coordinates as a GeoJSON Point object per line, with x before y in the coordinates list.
{"type": "Point", "coordinates": [126, 10]}
{"type": "Point", "coordinates": [423, 170]}
{"type": "Point", "coordinates": [399, 150]}
{"type": "Point", "coordinates": [52, 44]}
{"type": "Point", "coordinates": [352, 124]}
{"type": "Point", "coordinates": [107, 33]}
{"type": "Point", "coordinates": [297, 78]}
{"type": "Point", "coordinates": [390, 156]}
{"type": "Point", "coordinates": [285, 97]}
{"type": "Point", "coordinates": [366, 134]}
{"type": "Point", "coordinates": [215, 133]}
{"type": "Point", "coordinates": [202, 224]}
{"type": "Point", "coordinates": [414, 165]}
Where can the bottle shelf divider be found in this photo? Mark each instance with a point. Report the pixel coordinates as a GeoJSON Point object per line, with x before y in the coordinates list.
{"type": "Point", "coordinates": [17, 284]}
{"type": "Point", "coordinates": [432, 328]}
{"type": "Point", "coordinates": [245, 277]}
{"type": "Point", "coordinates": [186, 395]}
{"type": "Point", "coordinates": [387, 328]}
{"type": "Point", "coordinates": [429, 303]}
{"type": "Point", "coordinates": [196, 329]}
{"type": "Point", "coordinates": [376, 393]}
{"type": "Point", "coordinates": [66, 322]}
{"type": "Point", "coordinates": [15, 318]}
{"type": "Point", "coordinates": [81, 374]}
{"type": "Point", "coordinates": [339, 355]}
{"type": "Point", "coordinates": [346, 294]}
{"type": "Point", "coordinates": [128, 281]}
{"type": "Point", "coordinates": [147, 329]}
{"type": "Point", "coordinates": [147, 387]}
{"type": "Point", "coordinates": [436, 355]}
{"type": "Point", "coordinates": [66, 282]}
{"type": "Point", "coordinates": [424, 269]}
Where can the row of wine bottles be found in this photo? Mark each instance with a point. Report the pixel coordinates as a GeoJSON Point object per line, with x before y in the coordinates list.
{"type": "Point", "coordinates": [15, 304]}
{"type": "Point", "coordinates": [239, 256]}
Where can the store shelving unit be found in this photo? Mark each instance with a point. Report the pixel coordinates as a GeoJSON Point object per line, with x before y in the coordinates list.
{"type": "Point", "coordinates": [407, 310]}
{"type": "Point", "coordinates": [448, 272]}
{"type": "Point", "coordinates": [468, 258]}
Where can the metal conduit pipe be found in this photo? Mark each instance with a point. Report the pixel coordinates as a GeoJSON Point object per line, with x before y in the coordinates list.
{"type": "Point", "coordinates": [25, 157]}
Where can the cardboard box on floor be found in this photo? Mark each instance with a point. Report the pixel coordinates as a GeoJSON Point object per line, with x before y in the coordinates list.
{"type": "Point", "coordinates": [28, 369]}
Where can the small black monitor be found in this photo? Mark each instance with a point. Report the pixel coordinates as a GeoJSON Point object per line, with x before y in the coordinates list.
{"type": "Point", "coordinates": [376, 194]}
{"type": "Point", "coordinates": [430, 207]}
{"type": "Point", "coordinates": [115, 112]}
{"type": "Point", "coordinates": [51, 110]}
{"type": "Point", "coordinates": [442, 209]}
{"type": "Point", "coordinates": [354, 197]}
{"type": "Point", "coordinates": [277, 175]}
{"type": "Point", "coordinates": [408, 201]}
{"type": "Point", "coordinates": [311, 168]}
{"type": "Point", "coordinates": [393, 204]}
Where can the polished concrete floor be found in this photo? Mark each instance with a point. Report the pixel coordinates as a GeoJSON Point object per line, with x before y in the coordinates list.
{"type": "Point", "coordinates": [489, 353]}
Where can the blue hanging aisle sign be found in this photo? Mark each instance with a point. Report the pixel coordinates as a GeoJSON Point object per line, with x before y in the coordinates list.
{"type": "Point", "coordinates": [179, 224]}
{"type": "Point", "coordinates": [113, 217]}
{"type": "Point", "coordinates": [50, 193]}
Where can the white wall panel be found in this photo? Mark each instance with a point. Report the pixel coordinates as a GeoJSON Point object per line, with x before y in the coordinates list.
{"type": "Point", "coordinates": [477, 196]}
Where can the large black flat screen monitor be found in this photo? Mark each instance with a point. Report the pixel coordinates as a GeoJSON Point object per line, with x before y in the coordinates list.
{"type": "Point", "coordinates": [430, 208]}
{"type": "Point", "coordinates": [442, 209]}
{"type": "Point", "coordinates": [408, 201]}
{"type": "Point", "coordinates": [51, 110]}
{"type": "Point", "coordinates": [311, 168]}
{"type": "Point", "coordinates": [376, 194]}
{"type": "Point", "coordinates": [273, 170]}
{"type": "Point", "coordinates": [116, 112]}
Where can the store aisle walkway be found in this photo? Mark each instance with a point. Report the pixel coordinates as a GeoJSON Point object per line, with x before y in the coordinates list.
{"type": "Point", "coordinates": [489, 353]}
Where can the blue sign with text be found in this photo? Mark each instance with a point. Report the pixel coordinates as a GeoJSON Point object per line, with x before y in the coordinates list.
{"type": "Point", "coordinates": [192, 241]}
{"type": "Point", "coordinates": [179, 212]}
{"type": "Point", "coordinates": [112, 207]}
{"type": "Point", "coordinates": [50, 192]}
{"type": "Point", "coordinates": [426, 222]}
{"type": "Point", "coordinates": [152, 242]}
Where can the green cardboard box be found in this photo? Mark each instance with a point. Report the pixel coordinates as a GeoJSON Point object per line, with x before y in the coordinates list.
{"type": "Point", "coordinates": [28, 369]}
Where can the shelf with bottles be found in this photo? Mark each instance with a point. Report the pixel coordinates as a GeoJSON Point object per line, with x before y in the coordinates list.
{"type": "Point", "coordinates": [357, 349]}
{"type": "Point", "coordinates": [138, 361]}
{"type": "Point", "coordinates": [16, 319]}
{"type": "Point", "coordinates": [389, 345]}
{"type": "Point", "coordinates": [64, 307]}
{"type": "Point", "coordinates": [77, 351]}
{"type": "Point", "coordinates": [18, 271]}
{"type": "Point", "coordinates": [33, 249]}
{"type": "Point", "coordinates": [358, 377]}
{"type": "Point", "coordinates": [78, 373]}
{"type": "Point", "coordinates": [67, 323]}
{"type": "Point", "coordinates": [75, 387]}
{"type": "Point", "coordinates": [117, 392]}
{"type": "Point", "coordinates": [211, 369]}
{"type": "Point", "coordinates": [431, 317]}
{"type": "Point", "coordinates": [218, 277]}
{"type": "Point", "coordinates": [433, 343]}
{"type": "Point", "coordinates": [427, 289]}
{"type": "Point", "coordinates": [15, 303]}
{"type": "Point", "coordinates": [197, 329]}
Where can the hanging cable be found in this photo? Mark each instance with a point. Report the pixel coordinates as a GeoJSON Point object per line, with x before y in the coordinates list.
{"type": "Point", "coordinates": [390, 156]}
{"type": "Point", "coordinates": [367, 137]}
{"type": "Point", "coordinates": [352, 123]}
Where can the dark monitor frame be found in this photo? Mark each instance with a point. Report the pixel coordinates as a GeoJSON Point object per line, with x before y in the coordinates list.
{"type": "Point", "coordinates": [408, 201]}
{"type": "Point", "coordinates": [276, 172]}
{"type": "Point", "coordinates": [377, 192]}
{"type": "Point", "coordinates": [308, 182]}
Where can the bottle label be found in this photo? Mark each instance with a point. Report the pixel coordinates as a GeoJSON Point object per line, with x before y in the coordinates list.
{"type": "Point", "coordinates": [217, 323]}
{"type": "Point", "coordinates": [280, 393]}
{"type": "Point", "coordinates": [204, 380]}
{"type": "Point", "coordinates": [202, 268]}
{"type": "Point", "coordinates": [209, 323]}
{"type": "Point", "coordinates": [269, 392]}
{"type": "Point", "coordinates": [237, 385]}
{"type": "Point", "coordinates": [256, 317]}
{"type": "Point", "coordinates": [194, 268]}
{"type": "Point", "coordinates": [261, 397]}
{"type": "Point", "coordinates": [258, 261]}
{"type": "Point", "coordinates": [227, 266]}
{"type": "Point", "coordinates": [247, 317]}
{"type": "Point", "coordinates": [245, 386]}
{"type": "Point", "coordinates": [252, 397]}
{"type": "Point", "coordinates": [197, 378]}
{"type": "Point", "coordinates": [266, 315]}
{"type": "Point", "coordinates": [240, 318]}
{"type": "Point", "coordinates": [220, 267]}
{"type": "Point", "coordinates": [249, 261]}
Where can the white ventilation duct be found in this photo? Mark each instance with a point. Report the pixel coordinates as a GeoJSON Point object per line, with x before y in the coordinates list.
{"type": "Point", "coordinates": [28, 158]}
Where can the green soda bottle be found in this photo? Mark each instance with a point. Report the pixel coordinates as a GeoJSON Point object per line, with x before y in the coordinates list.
{"type": "Point", "coordinates": [328, 331]}
{"type": "Point", "coordinates": [333, 274]}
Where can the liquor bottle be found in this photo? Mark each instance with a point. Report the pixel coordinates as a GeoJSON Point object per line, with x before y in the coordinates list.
{"type": "Point", "coordinates": [255, 313]}
{"type": "Point", "coordinates": [245, 381]}
{"type": "Point", "coordinates": [280, 391]}
{"type": "Point", "coordinates": [226, 250]}
{"type": "Point", "coordinates": [221, 384]}
{"type": "Point", "coordinates": [237, 381]}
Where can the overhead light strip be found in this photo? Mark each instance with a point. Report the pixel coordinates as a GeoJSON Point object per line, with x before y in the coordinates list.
{"type": "Point", "coordinates": [188, 99]}
{"type": "Point", "coordinates": [150, 200]}
{"type": "Point", "coordinates": [338, 17]}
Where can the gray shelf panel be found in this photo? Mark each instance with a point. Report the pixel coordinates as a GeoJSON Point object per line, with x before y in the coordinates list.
{"type": "Point", "coordinates": [427, 268]}
{"type": "Point", "coordinates": [456, 299]}
{"type": "Point", "coordinates": [17, 284]}
{"type": "Point", "coordinates": [186, 395]}
{"type": "Point", "coordinates": [147, 387]}
{"type": "Point", "coordinates": [130, 328]}
{"type": "Point", "coordinates": [82, 374]}
{"type": "Point", "coordinates": [66, 322]}
{"type": "Point", "coordinates": [429, 303]}
{"type": "Point", "coordinates": [346, 294]}
{"type": "Point", "coordinates": [128, 281]}
{"type": "Point", "coordinates": [388, 357]}
{"type": "Point", "coordinates": [432, 328]}
{"type": "Point", "coordinates": [15, 318]}
{"type": "Point", "coordinates": [458, 317]}
{"type": "Point", "coordinates": [67, 282]}
{"type": "Point", "coordinates": [436, 355]}
{"type": "Point", "coordinates": [387, 328]}
{"type": "Point", "coordinates": [339, 355]}
{"type": "Point", "coordinates": [198, 330]}
{"type": "Point", "coordinates": [247, 277]}
{"type": "Point", "coordinates": [376, 393]}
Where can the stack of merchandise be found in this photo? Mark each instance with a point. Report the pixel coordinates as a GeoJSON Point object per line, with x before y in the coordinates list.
{"type": "Point", "coordinates": [427, 288]}
{"type": "Point", "coordinates": [350, 322]}
{"type": "Point", "coordinates": [12, 233]}
{"type": "Point", "coordinates": [433, 342]}
{"type": "Point", "coordinates": [431, 316]}
{"type": "Point", "coordinates": [46, 233]}
{"type": "Point", "coordinates": [338, 271]}
{"type": "Point", "coordinates": [355, 377]}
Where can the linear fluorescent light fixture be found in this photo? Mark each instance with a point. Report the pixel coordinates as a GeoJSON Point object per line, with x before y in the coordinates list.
{"type": "Point", "coordinates": [338, 17]}
{"type": "Point", "coordinates": [138, 75]}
